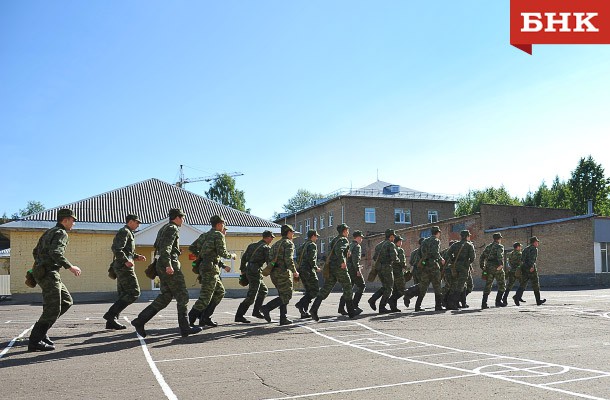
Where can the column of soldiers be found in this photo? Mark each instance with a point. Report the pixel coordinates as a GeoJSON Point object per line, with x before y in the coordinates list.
{"type": "Point", "coordinates": [342, 266]}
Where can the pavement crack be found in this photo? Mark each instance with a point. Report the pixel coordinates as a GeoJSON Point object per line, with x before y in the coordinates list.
{"type": "Point", "coordinates": [262, 380]}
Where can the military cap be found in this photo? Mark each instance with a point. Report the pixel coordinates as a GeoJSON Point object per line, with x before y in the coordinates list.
{"type": "Point", "coordinates": [389, 232]}
{"type": "Point", "coordinates": [132, 217]}
{"type": "Point", "coordinates": [312, 232]}
{"type": "Point", "coordinates": [516, 244]}
{"type": "Point", "coordinates": [285, 229]}
{"type": "Point", "coordinates": [176, 212]}
{"type": "Point", "coordinates": [397, 238]}
{"type": "Point", "coordinates": [497, 236]}
{"type": "Point", "coordinates": [267, 234]}
{"type": "Point", "coordinates": [65, 213]}
{"type": "Point", "coordinates": [435, 229]}
{"type": "Point", "coordinates": [357, 233]}
{"type": "Point", "coordinates": [421, 240]}
{"type": "Point", "coordinates": [534, 239]}
{"type": "Point", "coordinates": [465, 233]}
{"type": "Point", "coordinates": [342, 227]}
{"type": "Point", "coordinates": [215, 219]}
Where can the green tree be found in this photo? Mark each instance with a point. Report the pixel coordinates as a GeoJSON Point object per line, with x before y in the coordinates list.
{"type": "Point", "coordinates": [224, 191]}
{"type": "Point", "coordinates": [32, 207]}
{"type": "Point", "coordinates": [303, 199]}
{"type": "Point", "coordinates": [471, 203]}
{"type": "Point", "coordinates": [588, 182]}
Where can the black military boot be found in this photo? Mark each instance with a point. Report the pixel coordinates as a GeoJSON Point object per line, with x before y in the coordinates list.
{"type": "Point", "coordinates": [411, 292]}
{"type": "Point", "coordinates": [341, 309]}
{"type": "Point", "coordinates": [452, 301]}
{"type": "Point", "coordinates": [538, 301]}
{"type": "Point", "coordinates": [112, 315]}
{"type": "Point", "coordinates": [36, 342]}
{"type": "Point", "coordinates": [357, 297]}
{"type": "Point", "coordinates": [382, 303]}
{"type": "Point", "coordinates": [352, 311]}
{"type": "Point", "coordinates": [393, 302]}
{"type": "Point", "coordinates": [499, 302]}
{"type": "Point", "coordinates": [517, 296]}
{"type": "Point", "coordinates": [194, 315]}
{"type": "Point", "coordinates": [185, 328]}
{"type": "Point", "coordinates": [374, 298]}
{"type": "Point", "coordinates": [206, 317]}
{"type": "Point", "coordinates": [438, 302]}
{"type": "Point", "coordinates": [464, 294]}
{"type": "Point", "coordinates": [484, 302]}
{"type": "Point", "coordinates": [258, 303]}
{"type": "Point", "coordinates": [267, 308]}
{"type": "Point", "coordinates": [505, 298]}
{"type": "Point", "coordinates": [418, 302]}
{"type": "Point", "coordinates": [302, 306]}
{"type": "Point", "coordinates": [145, 316]}
{"type": "Point", "coordinates": [283, 318]}
{"type": "Point", "coordinates": [239, 315]}
{"type": "Point", "coordinates": [314, 308]}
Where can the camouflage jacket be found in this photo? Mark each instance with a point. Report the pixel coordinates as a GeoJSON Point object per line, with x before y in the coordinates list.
{"type": "Point", "coordinates": [495, 255]}
{"type": "Point", "coordinates": [339, 248]}
{"type": "Point", "coordinates": [49, 252]}
{"type": "Point", "coordinates": [212, 247]}
{"type": "Point", "coordinates": [256, 253]}
{"type": "Point", "coordinates": [402, 258]}
{"type": "Point", "coordinates": [386, 253]}
{"type": "Point", "coordinates": [124, 246]}
{"type": "Point", "coordinates": [529, 256]}
{"type": "Point", "coordinates": [415, 257]}
{"type": "Point", "coordinates": [355, 251]}
{"type": "Point", "coordinates": [281, 253]}
{"type": "Point", "coordinates": [514, 259]}
{"type": "Point", "coordinates": [307, 255]}
{"type": "Point", "coordinates": [430, 249]}
{"type": "Point", "coordinates": [167, 246]}
{"type": "Point", "coordinates": [466, 252]}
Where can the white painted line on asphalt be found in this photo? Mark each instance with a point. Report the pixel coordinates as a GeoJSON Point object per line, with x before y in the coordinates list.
{"type": "Point", "coordinates": [8, 322]}
{"type": "Point", "coordinates": [12, 342]}
{"type": "Point", "coordinates": [473, 360]}
{"type": "Point", "coordinates": [360, 389]}
{"type": "Point", "coordinates": [249, 353]}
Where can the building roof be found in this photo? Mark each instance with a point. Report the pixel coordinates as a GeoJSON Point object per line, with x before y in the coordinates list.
{"type": "Point", "coordinates": [551, 221]}
{"type": "Point", "coordinates": [150, 200]}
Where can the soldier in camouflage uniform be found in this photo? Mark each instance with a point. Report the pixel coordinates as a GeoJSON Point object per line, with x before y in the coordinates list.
{"type": "Point", "coordinates": [398, 270]}
{"type": "Point", "coordinates": [337, 265]}
{"type": "Point", "coordinates": [307, 264]}
{"type": "Point", "coordinates": [514, 273]}
{"type": "Point", "coordinates": [173, 286]}
{"type": "Point", "coordinates": [413, 290]}
{"type": "Point", "coordinates": [355, 272]}
{"type": "Point", "coordinates": [493, 259]}
{"type": "Point", "coordinates": [461, 254]}
{"type": "Point", "coordinates": [123, 248]}
{"type": "Point", "coordinates": [431, 262]}
{"type": "Point", "coordinates": [529, 272]}
{"type": "Point", "coordinates": [212, 247]}
{"type": "Point", "coordinates": [385, 256]}
{"type": "Point", "coordinates": [446, 275]}
{"type": "Point", "coordinates": [48, 260]}
{"type": "Point", "coordinates": [252, 261]}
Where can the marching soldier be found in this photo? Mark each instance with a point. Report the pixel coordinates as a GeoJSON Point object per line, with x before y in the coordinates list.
{"type": "Point", "coordinates": [514, 273]}
{"type": "Point", "coordinates": [280, 256]}
{"type": "Point", "coordinates": [529, 272]}
{"type": "Point", "coordinates": [252, 261]}
{"type": "Point", "coordinates": [173, 286]}
{"type": "Point", "coordinates": [398, 271]}
{"type": "Point", "coordinates": [461, 254]}
{"type": "Point", "coordinates": [493, 257]}
{"type": "Point", "coordinates": [430, 272]}
{"type": "Point", "coordinates": [48, 259]}
{"type": "Point", "coordinates": [446, 274]}
{"type": "Point", "coordinates": [307, 256]}
{"type": "Point", "coordinates": [124, 247]}
{"type": "Point", "coordinates": [413, 290]}
{"type": "Point", "coordinates": [355, 272]}
{"type": "Point", "coordinates": [385, 256]}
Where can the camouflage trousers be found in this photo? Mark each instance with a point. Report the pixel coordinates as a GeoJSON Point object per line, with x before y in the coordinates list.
{"type": "Point", "coordinates": [337, 274]}
{"type": "Point", "coordinates": [430, 274]}
{"type": "Point", "coordinates": [527, 276]}
{"type": "Point", "coordinates": [309, 278]}
{"type": "Point", "coordinates": [415, 272]}
{"type": "Point", "coordinates": [386, 276]}
{"type": "Point", "coordinates": [172, 287]}
{"type": "Point", "coordinates": [399, 281]}
{"type": "Point", "coordinates": [460, 281]}
{"type": "Point", "coordinates": [256, 287]}
{"type": "Point", "coordinates": [212, 290]}
{"type": "Point", "coordinates": [498, 275]}
{"type": "Point", "coordinates": [447, 280]}
{"type": "Point", "coordinates": [469, 282]}
{"type": "Point", "coordinates": [357, 280]}
{"type": "Point", "coordinates": [127, 284]}
{"type": "Point", "coordinates": [511, 278]}
{"type": "Point", "coordinates": [282, 280]}
{"type": "Point", "coordinates": [56, 299]}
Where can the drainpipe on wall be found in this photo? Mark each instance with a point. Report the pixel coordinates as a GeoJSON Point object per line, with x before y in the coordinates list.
{"type": "Point", "coordinates": [589, 206]}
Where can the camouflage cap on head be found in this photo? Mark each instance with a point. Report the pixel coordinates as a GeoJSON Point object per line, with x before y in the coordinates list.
{"type": "Point", "coordinates": [342, 227]}
{"type": "Point", "coordinates": [267, 234]}
{"type": "Point", "coordinates": [285, 229]}
{"type": "Point", "coordinates": [397, 238]}
{"type": "Point", "coordinates": [216, 219]}
{"type": "Point", "coordinates": [357, 234]}
{"type": "Point", "coordinates": [65, 213]}
{"type": "Point", "coordinates": [389, 232]}
{"type": "Point", "coordinates": [435, 230]}
{"type": "Point", "coordinates": [516, 244]}
{"type": "Point", "coordinates": [534, 239]}
{"type": "Point", "coordinates": [497, 236]}
{"type": "Point", "coordinates": [312, 232]}
{"type": "Point", "coordinates": [175, 213]}
{"type": "Point", "coordinates": [132, 217]}
{"type": "Point", "coordinates": [465, 233]}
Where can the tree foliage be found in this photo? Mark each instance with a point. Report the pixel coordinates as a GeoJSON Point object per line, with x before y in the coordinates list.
{"type": "Point", "coordinates": [301, 200]}
{"type": "Point", "coordinates": [471, 203]}
{"type": "Point", "coordinates": [224, 191]}
{"type": "Point", "coordinates": [588, 182]}
{"type": "Point", "coordinates": [32, 207]}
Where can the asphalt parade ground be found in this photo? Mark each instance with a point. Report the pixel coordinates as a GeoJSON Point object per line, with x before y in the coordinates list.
{"type": "Point", "coordinates": [560, 350]}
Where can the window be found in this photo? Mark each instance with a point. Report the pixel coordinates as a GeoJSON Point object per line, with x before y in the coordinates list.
{"type": "Point", "coordinates": [301, 227]}
{"type": "Point", "coordinates": [321, 221]}
{"type": "Point", "coordinates": [315, 224]}
{"type": "Point", "coordinates": [307, 224]}
{"type": "Point", "coordinates": [369, 215]}
{"type": "Point", "coordinates": [432, 216]}
{"type": "Point", "coordinates": [322, 247]}
{"type": "Point", "coordinates": [402, 216]}
{"type": "Point", "coordinates": [604, 248]}
{"type": "Point", "coordinates": [330, 218]}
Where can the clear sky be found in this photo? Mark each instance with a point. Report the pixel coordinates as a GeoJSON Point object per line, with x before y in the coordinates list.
{"type": "Point", "coordinates": [322, 95]}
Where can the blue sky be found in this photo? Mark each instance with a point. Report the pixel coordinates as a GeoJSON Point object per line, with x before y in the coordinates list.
{"type": "Point", "coordinates": [320, 95]}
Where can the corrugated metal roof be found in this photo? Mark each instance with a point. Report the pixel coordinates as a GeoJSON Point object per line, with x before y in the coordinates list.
{"type": "Point", "coordinates": [151, 200]}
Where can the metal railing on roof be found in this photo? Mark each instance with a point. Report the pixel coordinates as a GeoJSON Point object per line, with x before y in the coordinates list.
{"type": "Point", "coordinates": [387, 194]}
